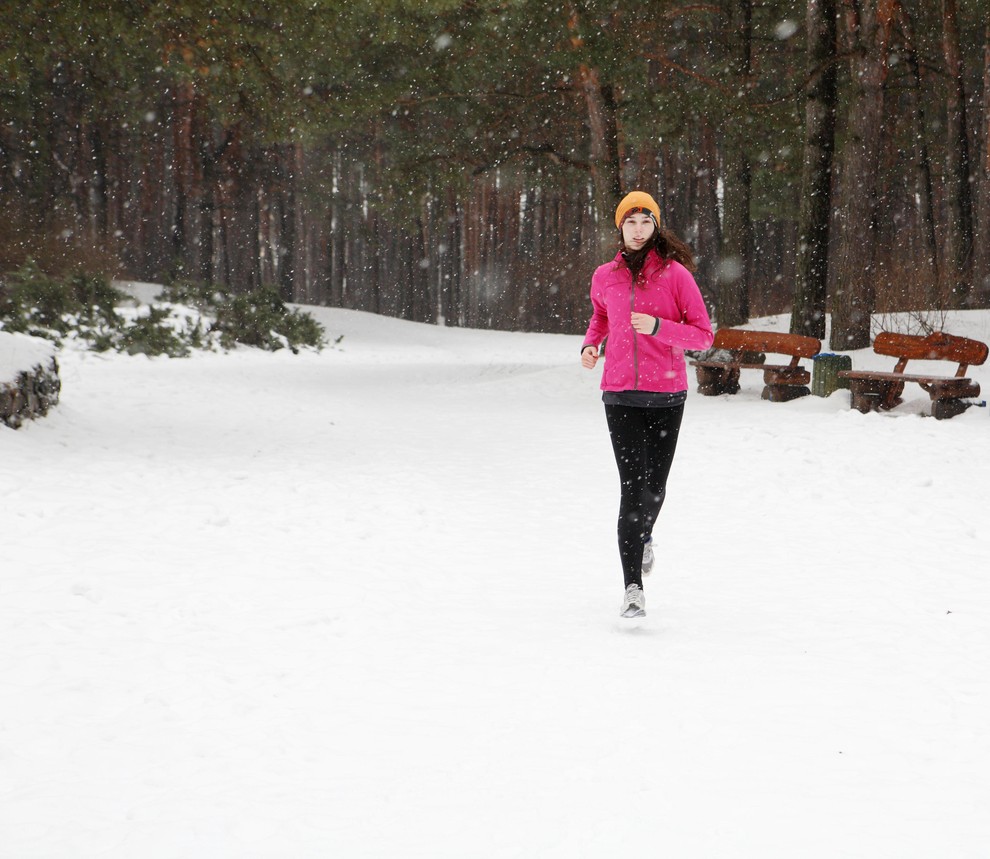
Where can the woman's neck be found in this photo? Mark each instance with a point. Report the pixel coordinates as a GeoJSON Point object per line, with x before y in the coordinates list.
{"type": "Point", "coordinates": [636, 259]}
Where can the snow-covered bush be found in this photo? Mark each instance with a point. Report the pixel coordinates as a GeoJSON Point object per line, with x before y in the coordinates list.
{"type": "Point", "coordinates": [33, 303]}
{"type": "Point", "coordinates": [259, 318]}
{"type": "Point", "coordinates": [87, 310]}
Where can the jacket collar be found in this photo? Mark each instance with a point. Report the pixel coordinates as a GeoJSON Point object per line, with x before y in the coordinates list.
{"type": "Point", "coordinates": [653, 262]}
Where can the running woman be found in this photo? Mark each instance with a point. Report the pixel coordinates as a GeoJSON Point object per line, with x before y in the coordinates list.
{"type": "Point", "coordinates": [647, 311]}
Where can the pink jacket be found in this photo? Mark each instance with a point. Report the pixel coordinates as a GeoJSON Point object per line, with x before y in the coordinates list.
{"type": "Point", "coordinates": [641, 362]}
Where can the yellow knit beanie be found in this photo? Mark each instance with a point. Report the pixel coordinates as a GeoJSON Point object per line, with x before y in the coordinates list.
{"type": "Point", "coordinates": [636, 201]}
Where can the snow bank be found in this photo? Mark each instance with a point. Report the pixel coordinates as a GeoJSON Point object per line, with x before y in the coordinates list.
{"type": "Point", "coordinates": [29, 380]}
{"type": "Point", "coordinates": [19, 353]}
{"type": "Point", "coordinates": [364, 603]}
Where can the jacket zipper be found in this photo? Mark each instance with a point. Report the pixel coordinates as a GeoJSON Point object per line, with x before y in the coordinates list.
{"type": "Point", "coordinates": [632, 308]}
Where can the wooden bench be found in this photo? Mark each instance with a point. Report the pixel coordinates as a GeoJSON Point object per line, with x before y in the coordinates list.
{"type": "Point", "coordinates": [876, 390]}
{"type": "Point", "coordinates": [745, 350]}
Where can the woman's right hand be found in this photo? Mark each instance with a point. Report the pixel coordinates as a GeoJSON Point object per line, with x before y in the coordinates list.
{"type": "Point", "coordinates": [589, 357]}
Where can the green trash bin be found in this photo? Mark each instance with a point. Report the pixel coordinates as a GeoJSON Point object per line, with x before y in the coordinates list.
{"type": "Point", "coordinates": [825, 373]}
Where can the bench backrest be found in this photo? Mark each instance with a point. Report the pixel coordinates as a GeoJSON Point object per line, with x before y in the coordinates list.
{"type": "Point", "coordinates": [935, 347]}
{"type": "Point", "coordinates": [738, 340]}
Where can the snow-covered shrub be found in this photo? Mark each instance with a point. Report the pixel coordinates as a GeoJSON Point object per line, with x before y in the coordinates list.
{"type": "Point", "coordinates": [31, 302]}
{"type": "Point", "coordinates": [152, 334]}
{"type": "Point", "coordinates": [205, 297]}
{"type": "Point", "coordinates": [261, 319]}
{"type": "Point", "coordinates": [87, 310]}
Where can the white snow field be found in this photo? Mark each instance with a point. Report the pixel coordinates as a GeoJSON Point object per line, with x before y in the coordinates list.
{"type": "Point", "coordinates": [364, 603]}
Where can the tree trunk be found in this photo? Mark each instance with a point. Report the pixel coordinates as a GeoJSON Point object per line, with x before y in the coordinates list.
{"type": "Point", "coordinates": [708, 242]}
{"type": "Point", "coordinates": [811, 283]}
{"type": "Point", "coordinates": [181, 119]}
{"type": "Point", "coordinates": [854, 297]}
{"type": "Point", "coordinates": [604, 139]}
{"type": "Point", "coordinates": [337, 216]}
{"type": "Point", "coordinates": [982, 264]}
{"type": "Point", "coordinates": [676, 180]}
{"type": "Point", "coordinates": [959, 199]}
{"type": "Point", "coordinates": [926, 195]}
{"type": "Point", "coordinates": [150, 223]}
{"type": "Point", "coordinates": [99, 182]}
{"type": "Point", "coordinates": [288, 247]}
{"type": "Point", "coordinates": [735, 265]}
{"type": "Point", "coordinates": [205, 268]}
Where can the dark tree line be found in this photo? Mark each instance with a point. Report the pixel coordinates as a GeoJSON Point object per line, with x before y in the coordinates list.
{"type": "Point", "coordinates": [458, 161]}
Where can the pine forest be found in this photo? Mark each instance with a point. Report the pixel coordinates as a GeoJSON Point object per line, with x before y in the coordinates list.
{"type": "Point", "coordinates": [458, 162]}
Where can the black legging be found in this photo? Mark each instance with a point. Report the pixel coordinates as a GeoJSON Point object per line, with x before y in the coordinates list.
{"type": "Point", "coordinates": [644, 441]}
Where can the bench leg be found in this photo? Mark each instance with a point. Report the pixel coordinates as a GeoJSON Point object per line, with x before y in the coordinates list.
{"type": "Point", "coordinates": [947, 396]}
{"type": "Point", "coordinates": [865, 401]}
{"type": "Point", "coordinates": [891, 395]}
{"type": "Point", "coordinates": [942, 410]}
{"type": "Point", "coordinates": [871, 395]}
{"type": "Point", "coordinates": [713, 381]}
{"type": "Point", "coordinates": [784, 393]}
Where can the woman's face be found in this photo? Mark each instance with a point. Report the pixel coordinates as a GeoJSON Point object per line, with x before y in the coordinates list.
{"type": "Point", "coordinates": [637, 230]}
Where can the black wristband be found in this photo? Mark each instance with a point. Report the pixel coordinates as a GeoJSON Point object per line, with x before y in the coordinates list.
{"type": "Point", "coordinates": [656, 328]}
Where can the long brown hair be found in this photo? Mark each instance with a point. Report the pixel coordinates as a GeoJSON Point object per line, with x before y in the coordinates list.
{"type": "Point", "coordinates": [666, 244]}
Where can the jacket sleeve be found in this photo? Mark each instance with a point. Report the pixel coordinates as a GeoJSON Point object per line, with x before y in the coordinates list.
{"type": "Point", "coordinates": [694, 329]}
{"type": "Point", "coordinates": [598, 325]}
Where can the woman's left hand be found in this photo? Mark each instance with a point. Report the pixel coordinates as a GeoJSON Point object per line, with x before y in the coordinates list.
{"type": "Point", "coordinates": [643, 323]}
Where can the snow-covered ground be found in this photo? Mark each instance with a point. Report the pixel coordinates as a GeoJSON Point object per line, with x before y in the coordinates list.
{"type": "Point", "coordinates": [365, 604]}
